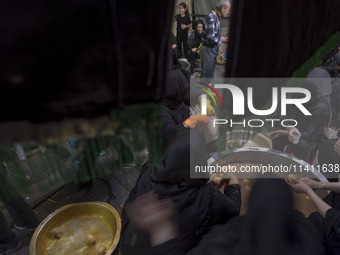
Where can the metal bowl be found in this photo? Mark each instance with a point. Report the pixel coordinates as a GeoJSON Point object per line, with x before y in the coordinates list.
{"type": "Point", "coordinates": [265, 156]}
{"type": "Point", "coordinates": [101, 210]}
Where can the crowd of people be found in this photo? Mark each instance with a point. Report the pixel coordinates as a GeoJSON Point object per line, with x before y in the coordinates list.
{"type": "Point", "coordinates": [168, 212]}
{"type": "Point", "coordinates": [204, 41]}
{"type": "Point", "coordinates": [314, 145]}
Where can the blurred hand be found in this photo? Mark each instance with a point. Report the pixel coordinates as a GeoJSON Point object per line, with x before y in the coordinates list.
{"type": "Point", "coordinates": [337, 147]}
{"type": "Point", "coordinates": [151, 214]}
{"type": "Point", "coordinates": [194, 49]}
{"type": "Point", "coordinates": [290, 134]}
{"type": "Point", "coordinates": [225, 39]}
{"type": "Point", "coordinates": [311, 183]}
{"type": "Point", "coordinates": [174, 46]}
{"type": "Point", "coordinates": [156, 217]}
{"type": "Point", "coordinates": [276, 134]}
{"type": "Point", "coordinates": [184, 26]}
{"type": "Point", "coordinates": [229, 178]}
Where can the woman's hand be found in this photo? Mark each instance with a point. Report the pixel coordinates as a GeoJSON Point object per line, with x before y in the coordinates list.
{"type": "Point", "coordinates": [311, 183]}
{"type": "Point", "coordinates": [291, 132]}
{"type": "Point", "coordinates": [299, 186]}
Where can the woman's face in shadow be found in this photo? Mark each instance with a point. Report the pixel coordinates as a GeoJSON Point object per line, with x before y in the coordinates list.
{"type": "Point", "coordinates": [199, 28]}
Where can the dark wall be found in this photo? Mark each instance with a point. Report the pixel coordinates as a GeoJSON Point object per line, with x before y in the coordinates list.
{"type": "Point", "coordinates": [273, 38]}
{"type": "Point", "coordinates": [80, 58]}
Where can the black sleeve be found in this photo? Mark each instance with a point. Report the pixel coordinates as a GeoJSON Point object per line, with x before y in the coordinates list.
{"type": "Point", "coordinates": [315, 124]}
{"type": "Point", "coordinates": [233, 191]}
{"type": "Point", "coordinates": [227, 205]}
{"type": "Point", "coordinates": [332, 231]}
{"type": "Point", "coordinates": [176, 17]}
{"type": "Point", "coordinates": [172, 247]}
{"type": "Point", "coordinates": [189, 20]}
{"type": "Point", "coordinates": [173, 39]}
{"type": "Point", "coordinates": [170, 126]}
{"type": "Point", "coordinates": [332, 222]}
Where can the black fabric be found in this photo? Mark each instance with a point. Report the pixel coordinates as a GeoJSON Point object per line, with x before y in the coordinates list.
{"type": "Point", "coordinates": [81, 58]}
{"type": "Point", "coordinates": [177, 87]}
{"type": "Point", "coordinates": [329, 55]}
{"type": "Point", "coordinates": [173, 54]}
{"type": "Point", "coordinates": [329, 227]}
{"type": "Point", "coordinates": [175, 109]}
{"type": "Point", "coordinates": [182, 20]}
{"type": "Point", "coordinates": [327, 155]}
{"type": "Point", "coordinates": [194, 41]}
{"type": "Point", "coordinates": [191, 56]}
{"type": "Point", "coordinates": [330, 65]}
{"type": "Point", "coordinates": [199, 205]}
{"type": "Point", "coordinates": [182, 34]}
{"type": "Point", "coordinates": [173, 117]}
{"type": "Point", "coordinates": [332, 231]}
{"type": "Point", "coordinates": [310, 127]}
{"type": "Point", "coordinates": [172, 247]}
{"type": "Point", "coordinates": [270, 227]}
{"type": "Point", "coordinates": [182, 39]}
{"type": "Point", "coordinates": [304, 149]}
{"type": "Point", "coordinates": [7, 237]}
{"type": "Point", "coordinates": [278, 40]}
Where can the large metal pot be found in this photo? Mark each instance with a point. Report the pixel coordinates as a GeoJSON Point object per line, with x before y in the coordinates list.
{"type": "Point", "coordinates": [265, 156]}
{"type": "Point", "coordinates": [101, 210]}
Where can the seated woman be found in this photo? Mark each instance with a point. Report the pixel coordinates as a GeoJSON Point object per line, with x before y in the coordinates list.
{"type": "Point", "coordinates": [327, 217]}
{"type": "Point", "coordinates": [194, 44]}
{"type": "Point", "coordinates": [176, 104]}
{"type": "Point", "coordinates": [310, 127]}
{"type": "Point", "coordinates": [270, 226]}
{"type": "Point", "coordinates": [199, 205]}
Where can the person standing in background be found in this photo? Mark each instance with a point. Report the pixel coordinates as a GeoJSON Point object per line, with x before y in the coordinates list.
{"type": "Point", "coordinates": [194, 44]}
{"type": "Point", "coordinates": [212, 37]}
{"type": "Point", "coordinates": [183, 25]}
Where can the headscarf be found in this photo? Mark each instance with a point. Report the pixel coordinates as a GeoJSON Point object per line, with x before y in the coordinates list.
{"type": "Point", "coordinates": [191, 196]}
{"type": "Point", "coordinates": [198, 35]}
{"type": "Point", "coordinates": [177, 88]}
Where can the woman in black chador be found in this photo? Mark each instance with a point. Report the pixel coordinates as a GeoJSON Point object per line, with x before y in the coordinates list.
{"type": "Point", "coordinates": [199, 205]}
